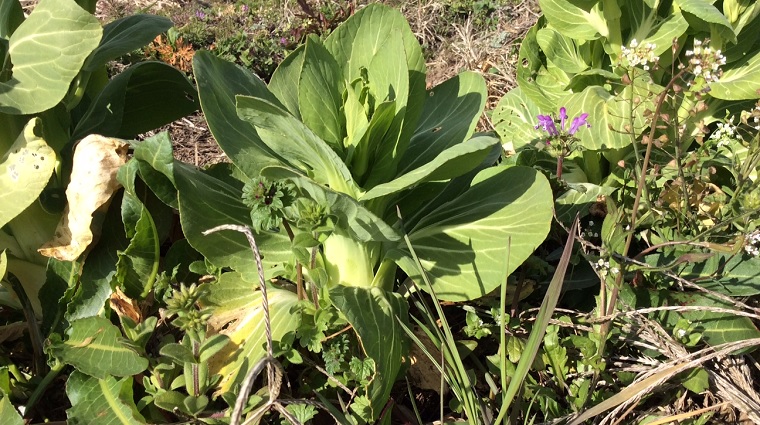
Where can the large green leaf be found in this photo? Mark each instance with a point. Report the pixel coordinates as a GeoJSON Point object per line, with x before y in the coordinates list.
{"type": "Point", "coordinates": [374, 314]}
{"type": "Point", "coordinates": [740, 82]}
{"type": "Point", "coordinates": [535, 80]}
{"type": "Point", "coordinates": [320, 92]}
{"type": "Point", "coordinates": [105, 401]}
{"type": "Point", "coordinates": [706, 11]}
{"type": "Point", "coordinates": [577, 200]}
{"type": "Point", "coordinates": [237, 313]}
{"type": "Point", "coordinates": [125, 35]}
{"type": "Point", "coordinates": [360, 223]}
{"type": "Point", "coordinates": [284, 81]}
{"type": "Point", "coordinates": [219, 82]}
{"type": "Point", "coordinates": [24, 171]}
{"type": "Point", "coordinates": [94, 346]}
{"type": "Point", "coordinates": [463, 243]}
{"type": "Point", "coordinates": [47, 50]}
{"type": "Point", "coordinates": [452, 110]}
{"type": "Point", "coordinates": [561, 51]}
{"type": "Point", "coordinates": [452, 162]}
{"type": "Point", "coordinates": [607, 117]}
{"type": "Point", "coordinates": [579, 19]}
{"type": "Point", "coordinates": [8, 414]}
{"type": "Point", "coordinates": [361, 39]}
{"type": "Point", "coordinates": [514, 119]}
{"type": "Point", "coordinates": [142, 98]}
{"type": "Point", "coordinates": [156, 166]}
{"type": "Point", "coordinates": [291, 139]}
{"type": "Point", "coordinates": [206, 202]}
{"type": "Point", "coordinates": [648, 26]}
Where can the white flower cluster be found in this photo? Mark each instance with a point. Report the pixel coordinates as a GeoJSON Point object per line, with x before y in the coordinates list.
{"type": "Point", "coordinates": [589, 232]}
{"type": "Point", "coordinates": [725, 133]}
{"type": "Point", "coordinates": [705, 62]}
{"type": "Point", "coordinates": [752, 244]}
{"type": "Point", "coordinates": [642, 55]}
{"type": "Point", "coordinates": [603, 268]}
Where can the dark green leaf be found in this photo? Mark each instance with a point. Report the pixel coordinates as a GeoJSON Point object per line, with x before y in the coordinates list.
{"type": "Point", "coordinates": [124, 35]}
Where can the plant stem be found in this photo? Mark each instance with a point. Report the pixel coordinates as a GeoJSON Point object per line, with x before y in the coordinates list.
{"type": "Point", "coordinates": [31, 321]}
{"type": "Point", "coordinates": [40, 390]}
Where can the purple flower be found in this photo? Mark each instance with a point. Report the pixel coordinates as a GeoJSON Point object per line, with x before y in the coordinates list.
{"type": "Point", "coordinates": [245, 8]}
{"type": "Point", "coordinates": [200, 15]}
{"type": "Point", "coordinates": [283, 41]}
{"type": "Point", "coordinates": [563, 117]}
{"type": "Point", "coordinates": [578, 122]}
{"type": "Point", "coordinates": [547, 123]}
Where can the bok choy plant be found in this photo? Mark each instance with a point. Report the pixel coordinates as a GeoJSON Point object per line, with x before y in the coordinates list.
{"type": "Point", "coordinates": [344, 137]}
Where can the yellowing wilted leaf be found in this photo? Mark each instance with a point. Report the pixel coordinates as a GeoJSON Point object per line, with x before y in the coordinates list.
{"type": "Point", "coordinates": [93, 182]}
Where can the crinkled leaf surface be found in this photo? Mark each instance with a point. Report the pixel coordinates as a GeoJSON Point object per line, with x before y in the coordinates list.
{"type": "Point", "coordinates": [101, 401]}
{"type": "Point", "coordinates": [741, 81]}
{"type": "Point", "coordinates": [374, 315]}
{"type": "Point", "coordinates": [206, 202]}
{"type": "Point", "coordinates": [94, 346]}
{"type": "Point", "coordinates": [237, 313]}
{"type": "Point", "coordinates": [579, 19]}
{"type": "Point", "coordinates": [219, 82]}
{"type": "Point", "coordinates": [125, 35]}
{"type": "Point", "coordinates": [464, 243]}
{"type": "Point", "coordinates": [514, 119]}
{"type": "Point", "coordinates": [24, 171]}
{"type": "Point", "coordinates": [561, 51]}
{"type": "Point", "coordinates": [47, 51]}
{"type": "Point", "coordinates": [535, 80]}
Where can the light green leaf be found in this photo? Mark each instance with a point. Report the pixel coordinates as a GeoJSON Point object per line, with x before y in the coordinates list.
{"type": "Point", "coordinates": [105, 401]}
{"type": "Point", "coordinates": [156, 166]}
{"type": "Point", "coordinates": [125, 35]}
{"type": "Point", "coordinates": [94, 346]}
{"type": "Point", "coordinates": [452, 162]}
{"type": "Point", "coordinates": [219, 82]}
{"type": "Point", "coordinates": [452, 110]}
{"type": "Point", "coordinates": [543, 87]}
{"type": "Point", "coordinates": [237, 313]}
{"type": "Point", "coordinates": [650, 27]}
{"type": "Point", "coordinates": [463, 243]}
{"type": "Point", "coordinates": [514, 119]}
{"type": "Point", "coordinates": [319, 94]}
{"type": "Point", "coordinates": [740, 82]}
{"type": "Point", "coordinates": [206, 202]}
{"type": "Point", "coordinates": [606, 116]}
{"type": "Point", "coordinates": [144, 97]}
{"type": "Point", "coordinates": [24, 171]}
{"type": "Point", "coordinates": [284, 81]}
{"type": "Point", "coordinates": [707, 12]}
{"type": "Point", "coordinates": [8, 414]}
{"type": "Point", "coordinates": [374, 315]}
{"type": "Point", "coordinates": [351, 215]}
{"type": "Point", "coordinates": [291, 139]}
{"type": "Point", "coordinates": [359, 40]}
{"type": "Point", "coordinates": [47, 51]}
{"type": "Point", "coordinates": [561, 51]}
{"type": "Point", "coordinates": [580, 19]}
